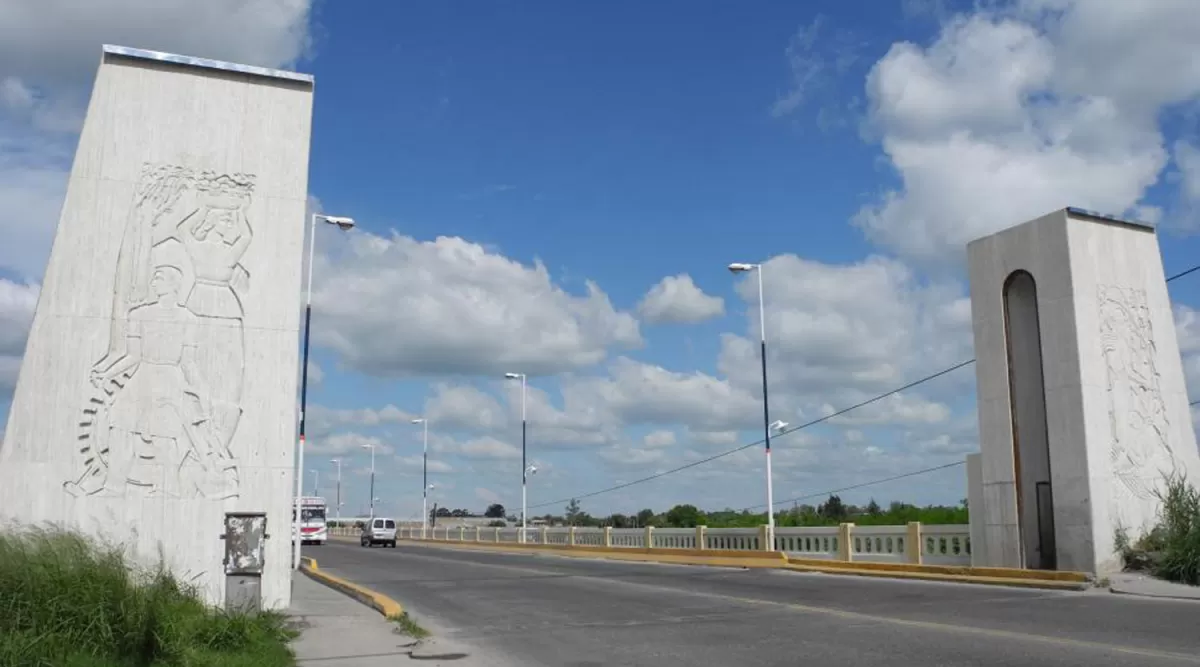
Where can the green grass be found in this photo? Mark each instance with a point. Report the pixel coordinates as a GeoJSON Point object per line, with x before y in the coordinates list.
{"type": "Point", "coordinates": [66, 601]}
{"type": "Point", "coordinates": [406, 625]}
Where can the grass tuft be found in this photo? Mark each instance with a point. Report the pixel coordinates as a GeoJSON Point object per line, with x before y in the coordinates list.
{"type": "Point", "coordinates": [68, 601]}
{"type": "Point", "coordinates": [406, 625]}
{"type": "Point", "coordinates": [1170, 550]}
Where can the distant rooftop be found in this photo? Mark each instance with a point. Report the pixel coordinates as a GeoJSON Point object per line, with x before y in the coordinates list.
{"type": "Point", "coordinates": [1104, 217]}
{"type": "Point", "coordinates": [208, 63]}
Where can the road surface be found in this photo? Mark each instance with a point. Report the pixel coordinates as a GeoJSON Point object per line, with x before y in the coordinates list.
{"type": "Point", "coordinates": [552, 611]}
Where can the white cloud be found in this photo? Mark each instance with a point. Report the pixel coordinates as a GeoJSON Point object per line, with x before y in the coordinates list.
{"type": "Point", "coordinates": [463, 407]}
{"type": "Point", "coordinates": [17, 302]}
{"type": "Point", "coordinates": [46, 67]}
{"type": "Point", "coordinates": [450, 306]}
{"type": "Point", "coordinates": [639, 393]}
{"type": "Point", "coordinates": [677, 300]}
{"type": "Point", "coordinates": [659, 439]}
{"type": "Point", "coordinates": [485, 447]}
{"type": "Point", "coordinates": [1014, 113]}
{"type": "Point", "coordinates": [322, 419]}
{"type": "Point", "coordinates": [347, 443]}
{"type": "Point", "coordinates": [840, 333]}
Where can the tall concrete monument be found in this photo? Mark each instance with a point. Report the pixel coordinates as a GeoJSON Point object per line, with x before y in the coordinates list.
{"type": "Point", "coordinates": [157, 396]}
{"type": "Point", "coordinates": [1083, 411]}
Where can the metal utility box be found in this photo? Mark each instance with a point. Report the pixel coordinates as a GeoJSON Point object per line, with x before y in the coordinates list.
{"type": "Point", "coordinates": [245, 541]}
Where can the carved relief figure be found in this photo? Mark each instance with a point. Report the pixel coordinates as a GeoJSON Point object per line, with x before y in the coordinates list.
{"type": "Point", "coordinates": [168, 397]}
{"type": "Point", "coordinates": [1140, 451]}
{"type": "Point", "coordinates": [216, 237]}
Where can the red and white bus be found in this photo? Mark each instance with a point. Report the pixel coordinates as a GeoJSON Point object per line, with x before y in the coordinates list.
{"type": "Point", "coordinates": [312, 520]}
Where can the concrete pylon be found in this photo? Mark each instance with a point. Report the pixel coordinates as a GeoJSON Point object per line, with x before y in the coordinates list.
{"type": "Point", "coordinates": [158, 389]}
{"type": "Point", "coordinates": [1083, 411]}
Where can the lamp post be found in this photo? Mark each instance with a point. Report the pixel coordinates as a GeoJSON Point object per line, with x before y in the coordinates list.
{"type": "Point", "coordinates": [338, 500]}
{"type": "Point", "coordinates": [371, 446]}
{"type": "Point", "coordinates": [342, 224]}
{"type": "Point", "coordinates": [524, 468]}
{"type": "Point", "coordinates": [425, 485]}
{"type": "Point", "coordinates": [316, 482]}
{"type": "Point", "coordinates": [739, 267]}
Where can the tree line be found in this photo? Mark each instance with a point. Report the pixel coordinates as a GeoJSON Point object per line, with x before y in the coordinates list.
{"type": "Point", "coordinates": [829, 513]}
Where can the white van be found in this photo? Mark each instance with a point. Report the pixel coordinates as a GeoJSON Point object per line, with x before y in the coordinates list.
{"type": "Point", "coordinates": [379, 531]}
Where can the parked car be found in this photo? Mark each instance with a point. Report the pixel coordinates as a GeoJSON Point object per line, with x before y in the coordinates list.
{"type": "Point", "coordinates": [379, 531]}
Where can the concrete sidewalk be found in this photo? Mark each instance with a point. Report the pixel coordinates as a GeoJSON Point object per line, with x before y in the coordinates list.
{"type": "Point", "coordinates": [1133, 583]}
{"type": "Point", "coordinates": [337, 630]}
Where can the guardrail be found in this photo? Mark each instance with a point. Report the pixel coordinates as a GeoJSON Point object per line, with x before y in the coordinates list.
{"type": "Point", "coordinates": [914, 543]}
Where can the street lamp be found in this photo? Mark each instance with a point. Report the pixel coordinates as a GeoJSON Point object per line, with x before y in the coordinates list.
{"type": "Point", "coordinates": [739, 267]}
{"type": "Point", "coordinates": [425, 485]}
{"type": "Point", "coordinates": [338, 508]}
{"type": "Point", "coordinates": [371, 446]}
{"type": "Point", "coordinates": [343, 224]}
{"type": "Point", "coordinates": [524, 468]}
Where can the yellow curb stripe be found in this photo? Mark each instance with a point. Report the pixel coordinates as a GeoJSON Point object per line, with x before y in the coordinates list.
{"type": "Point", "coordinates": [955, 570]}
{"type": "Point", "coordinates": [377, 601]}
{"type": "Point", "coordinates": [949, 578]}
{"type": "Point", "coordinates": [778, 560]}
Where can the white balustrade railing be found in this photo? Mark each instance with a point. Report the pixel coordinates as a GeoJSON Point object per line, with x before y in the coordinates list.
{"type": "Point", "coordinates": [911, 543]}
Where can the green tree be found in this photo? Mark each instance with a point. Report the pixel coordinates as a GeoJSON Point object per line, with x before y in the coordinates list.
{"type": "Point", "coordinates": [573, 512]}
{"type": "Point", "coordinates": [873, 508]}
{"type": "Point", "coordinates": [494, 511]}
{"type": "Point", "coordinates": [619, 521]}
{"type": "Point", "coordinates": [833, 509]}
{"type": "Point", "coordinates": [684, 516]}
{"type": "Point", "coordinates": [645, 517]}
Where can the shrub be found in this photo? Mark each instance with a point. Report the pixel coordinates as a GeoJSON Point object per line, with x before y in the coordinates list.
{"type": "Point", "coordinates": [68, 601]}
{"type": "Point", "coordinates": [1179, 533]}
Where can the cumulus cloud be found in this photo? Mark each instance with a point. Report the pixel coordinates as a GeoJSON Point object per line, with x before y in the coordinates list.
{"type": "Point", "coordinates": [322, 419]}
{"type": "Point", "coordinates": [1014, 112]}
{"type": "Point", "coordinates": [840, 333]}
{"type": "Point", "coordinates": [677, 300]}
{"type": "Point", "coordinates": [450, 306]}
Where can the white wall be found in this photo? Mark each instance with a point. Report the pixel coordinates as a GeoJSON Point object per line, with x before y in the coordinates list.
{"type": "Point", "coordinates": [203, 174]}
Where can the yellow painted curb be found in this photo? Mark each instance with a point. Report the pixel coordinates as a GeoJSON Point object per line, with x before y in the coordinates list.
{"type": "Point", "coordinates": [948, 570]}
{"type": "Point", "coordinates": [778, 560]}
{"type": "Point", "coordinates": [948, 578]}
{"type": "Point", "coordinates": [377, 601]}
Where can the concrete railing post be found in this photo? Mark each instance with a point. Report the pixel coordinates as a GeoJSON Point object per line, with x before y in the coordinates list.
{"type": "Point", "coordinates": [496, 535]}
{"type": "Point", "coordinates": [478, 530]}
{"type": "Point", "coordinates": [763, 535]}
{"type": "Point", "coordinates": [571, 537]}
{"type": "Point", "coordinates": [845, 548]}
{"type": "Point", "coordinates": [462, 533]}
{"type": "Point", "coordinates": [701, 537]}
{"type": "Point", "coordinates": [649, 537]}
{"type": "Point", "coordinates": [912, 543]}
{"type": "Point", "coordinates": [608, 536]}
{"type": "Point", "coordinates": [542, 532]}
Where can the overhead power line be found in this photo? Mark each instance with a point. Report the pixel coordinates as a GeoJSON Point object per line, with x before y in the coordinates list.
{"type": "Point", "coordinates": [910, 385]}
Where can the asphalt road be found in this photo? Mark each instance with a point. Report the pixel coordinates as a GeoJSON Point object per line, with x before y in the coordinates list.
{"type": "Point", "coordinates": [540, 610]}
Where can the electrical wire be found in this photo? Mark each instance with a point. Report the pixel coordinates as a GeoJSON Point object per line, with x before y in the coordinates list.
{"type": "Point", "coordinates": [760, 441]}
{"type": "Point", "coordinates": [810, 424]}
{"type": "Point", "coordinates": [862, 485]}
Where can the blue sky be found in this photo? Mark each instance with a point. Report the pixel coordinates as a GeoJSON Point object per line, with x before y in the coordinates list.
{"type": "Point", "coordinates": [524, 174]}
